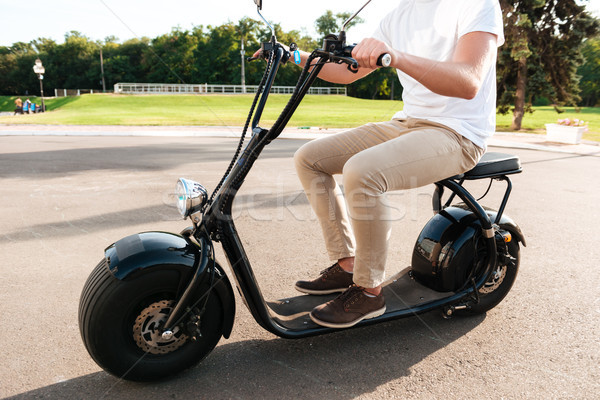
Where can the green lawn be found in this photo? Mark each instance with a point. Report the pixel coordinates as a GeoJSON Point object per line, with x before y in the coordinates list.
{"type": "Point", "coordinates": [321, 111]}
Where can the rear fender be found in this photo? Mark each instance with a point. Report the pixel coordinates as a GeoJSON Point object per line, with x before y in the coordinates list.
{"type": "Point", "coordinates": [508, 224]}
{"type": "Point", "coordinates": [149, 251]}
{"type": "Point", "coordinates": [447, 248]}
{"type": "Point", "coordinates": [459, 211]}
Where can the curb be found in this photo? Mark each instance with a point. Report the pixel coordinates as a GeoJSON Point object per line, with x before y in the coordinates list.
{"type": "Point", "coordinates": [513, 140]}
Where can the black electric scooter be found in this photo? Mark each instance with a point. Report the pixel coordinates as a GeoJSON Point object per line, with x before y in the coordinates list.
{"type": "Point", "coordinates": [158, 303]}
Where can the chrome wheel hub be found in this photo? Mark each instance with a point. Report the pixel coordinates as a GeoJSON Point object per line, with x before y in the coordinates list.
{"type": "Point", "coordinates": [147, 333]}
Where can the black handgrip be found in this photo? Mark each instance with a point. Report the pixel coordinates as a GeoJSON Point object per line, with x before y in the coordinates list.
{"type": "Point", "coordinates": [348, 50]}
{"type": "Point", "coordinates": [384, 60]}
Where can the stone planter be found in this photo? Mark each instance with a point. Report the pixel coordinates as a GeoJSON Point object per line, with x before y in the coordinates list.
{"type": "Point", "coordinates": [564, 134]}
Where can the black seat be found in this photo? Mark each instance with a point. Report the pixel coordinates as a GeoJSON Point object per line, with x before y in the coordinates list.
{"type": "Point", "coordinates": [492, 165]}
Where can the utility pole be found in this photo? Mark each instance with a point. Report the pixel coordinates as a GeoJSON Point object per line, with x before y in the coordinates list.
{"type": "Point", "coordinates": [242, 52]}
{"type": "Point", "coordinates": [102, 71]}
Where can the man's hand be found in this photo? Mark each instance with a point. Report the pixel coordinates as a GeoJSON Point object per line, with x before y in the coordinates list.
{"type": "Point", "coordinates": [257, 55]}
{"type": "Point", "coordinates": [368, 51]}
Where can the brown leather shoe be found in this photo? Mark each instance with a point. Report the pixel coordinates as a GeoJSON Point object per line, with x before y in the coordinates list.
{"type": "Point", "coordinates": [348, 309]}
{"type": "Point", "coordinates": [333, 279]}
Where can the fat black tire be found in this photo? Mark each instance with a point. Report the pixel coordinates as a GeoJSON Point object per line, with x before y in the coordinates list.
{"type": "Point", "coordinates": [108, 310]}
{"type": "Point", "coordinates": [487, 301]}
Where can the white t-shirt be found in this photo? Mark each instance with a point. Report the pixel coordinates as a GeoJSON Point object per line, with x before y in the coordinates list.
{"type": "Point", "coordinates": [431, 29]}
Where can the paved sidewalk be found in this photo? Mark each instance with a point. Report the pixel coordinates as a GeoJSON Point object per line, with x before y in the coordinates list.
{"type": "Point", "coordinates": [501, 139]}
{"type": "Point", "coordinates": [538, 142]}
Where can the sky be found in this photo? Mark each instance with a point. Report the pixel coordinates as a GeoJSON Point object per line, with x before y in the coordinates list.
{"type": "Point", "coordinates": [126, 19]}
{"type": "Point", "coordinates": [28, 20]}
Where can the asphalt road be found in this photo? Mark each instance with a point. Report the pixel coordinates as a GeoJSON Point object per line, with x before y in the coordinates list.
{"type": "Point", "coordinates": [64, 199]}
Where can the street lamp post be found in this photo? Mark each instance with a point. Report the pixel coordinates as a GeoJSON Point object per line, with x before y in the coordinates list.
{"type": "Point", "coordinates": [39, 69]}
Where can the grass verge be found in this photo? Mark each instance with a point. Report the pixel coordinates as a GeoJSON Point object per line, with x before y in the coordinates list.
{"type": "Point", "coordinates": [211, 110]}
{"type": "Point", "coordinates": [218, 110]}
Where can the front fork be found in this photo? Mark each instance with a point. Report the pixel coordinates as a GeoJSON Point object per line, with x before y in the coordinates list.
{"type": "Point", "coordinates": [182, 306]}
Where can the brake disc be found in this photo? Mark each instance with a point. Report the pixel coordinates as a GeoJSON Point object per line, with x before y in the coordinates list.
{"type": "Point", "coordinates": [147, 333]}
{"type": "Point", "coordinates": [495, 280]}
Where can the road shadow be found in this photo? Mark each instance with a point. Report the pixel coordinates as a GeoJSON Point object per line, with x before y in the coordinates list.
{"type": "Point", "coordinates": [342, 365]}
{"type": "Point", "coordinates": [93, 224]}
{"type": "Point", "coordinates": [251, 204]}
{"type": "Point", "coordinates": [59, 163]}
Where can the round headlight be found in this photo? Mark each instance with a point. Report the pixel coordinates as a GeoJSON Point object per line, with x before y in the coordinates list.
{"type": "Point", "coordinates": [191, 196]}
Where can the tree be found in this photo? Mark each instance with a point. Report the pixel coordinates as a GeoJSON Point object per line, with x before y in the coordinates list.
{"type": "Point", "coordinates": [171, 58]}
{"type": "Point", "coordinates": [541, 53]}
{"type": "Point", "coordinates": [202, 55]}
{"type": "Point", "coordinates": [126, 62]}
{"type": "Point", "coordinates": [16, 74]}
{"type": "Point", "coordinates": [74, 59]}
{"type": "Point", "coordinates": [218, 55]}
{"type": "Point", "coordinates": [289, 73]}
{"type": "Point", "coordinates": [330, 23]}
{"type": "Point", "coordinates": [590, 73]}
{"type": "Point", "coordinates": [8, 64]}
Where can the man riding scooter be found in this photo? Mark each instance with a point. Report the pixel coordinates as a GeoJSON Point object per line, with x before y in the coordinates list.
{"type": "Point", "coordinates": [445, 55]}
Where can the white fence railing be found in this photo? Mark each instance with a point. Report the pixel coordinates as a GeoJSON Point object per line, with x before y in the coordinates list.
{"type": "Point", "coordinates": [174, 88]}
{"type": "Point", "coordinates": [74, 92]}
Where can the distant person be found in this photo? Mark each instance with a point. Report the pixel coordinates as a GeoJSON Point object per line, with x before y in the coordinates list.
{"type": "Point", "coordinates": [18, 106]}
{"type": "Point", "coordinates": [27, 106]}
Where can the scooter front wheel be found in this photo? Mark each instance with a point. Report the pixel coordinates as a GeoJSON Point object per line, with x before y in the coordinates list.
{"type": "Point", "coordinates": [120, 323]}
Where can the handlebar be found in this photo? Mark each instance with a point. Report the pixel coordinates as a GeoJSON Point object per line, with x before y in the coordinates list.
{"type": "Point", "coordinates": [384, 60]}
{"type": "Point", "coordinates": [343, 57]}
{"type": "Point", "coordinates": [337, 54]}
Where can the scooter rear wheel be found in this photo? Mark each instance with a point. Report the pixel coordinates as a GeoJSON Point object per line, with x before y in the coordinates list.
{"type": "Point", "coordinates": [119, 323]}
{"type": "Point", "coordinates": [500, 283]}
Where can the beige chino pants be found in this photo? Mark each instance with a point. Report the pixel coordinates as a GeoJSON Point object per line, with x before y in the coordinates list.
{"type": "Point", "coordinates": [374, 159]}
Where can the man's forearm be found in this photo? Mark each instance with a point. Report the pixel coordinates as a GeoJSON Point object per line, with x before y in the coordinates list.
{"type": "Point", "coordinates": [461, 76]}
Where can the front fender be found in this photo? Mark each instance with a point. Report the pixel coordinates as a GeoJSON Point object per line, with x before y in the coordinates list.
{"type": "Point", "coordinates": [142, 252]}
{"type": "Point", "coordinates": [135, 253]}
